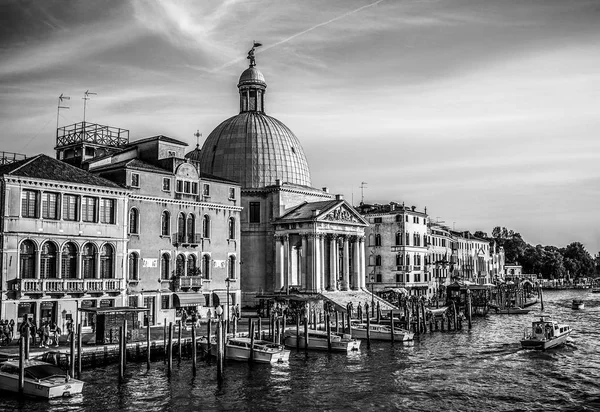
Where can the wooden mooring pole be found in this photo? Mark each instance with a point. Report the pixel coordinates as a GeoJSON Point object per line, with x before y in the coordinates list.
{"type": "Point", "coordinates": [297, 332]}
{"type": "Point", "coordinates": [219, 334]}
{"type": "Point", "coordinates": [148, 350]}
{"type": "Point", "coordinates": [26, 338]}
{"type": "Point", "coordinates": [22, 360]}
{"type": "Point", "coordinates": [251, 330]}
{"type": "Point", "coordinates": [72, 353]}
{"type": "Point", "coordinates": [368, 326]}
{"type": "Point", "coordinates": [469, 313]}
{"type": "Point", "coordinates": [337, 321]}
{"type": "Point", "coordinates": [392, 325]}
{"type": "Point", "coordinates": [305, 333]}
{"type": "Point", "coordinates": [79, 352]}
{"type": "Point", "coordinates": [170, 349]}
{"type": "Point", "coordinates": [327, 321]}
{"type": "Point", "coordinates": [194, 349]}
{"type": "Point", "coordinates": [165, 334]}
{"type": "Point", "coordinates": [179, 341]}
{"type": "Point", "coordinates": [121, 367]}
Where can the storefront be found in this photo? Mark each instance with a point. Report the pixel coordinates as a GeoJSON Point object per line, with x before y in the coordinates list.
{"type": "Point", "coordinates": [47, 312]}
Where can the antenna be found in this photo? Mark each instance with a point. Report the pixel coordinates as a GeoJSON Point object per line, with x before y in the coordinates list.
{"type": "Point", "coordinates": [198, 136]}
{"type": "Point", "coordinates": [86, 97]}
{"type": "Point", "coordinates": [362, 193]}
{"type": "Point", "coordinates": [61, 98]}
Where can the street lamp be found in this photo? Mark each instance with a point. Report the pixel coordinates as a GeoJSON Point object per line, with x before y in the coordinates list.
{"type": "Point", "coordinates": [372, 295]}
{"type": "Point", "coordinates": [227, 281]}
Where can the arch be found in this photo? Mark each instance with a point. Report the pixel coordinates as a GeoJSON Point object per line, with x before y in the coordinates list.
{"type": "Point", "coordinates": [378, 260]}
{"type": "Point", "coordinates": [398, 238]}
{"type": "Point", "coordinates": [378, 240]}
{"type": "Point", "coordinates": [180, 265]}
{"type": "Point", "coordinates": [371, 240]}
{"type": "Point", "coordinates": [231, 272]}
{"type": "Point", "coordinates": [134, 221]}
{"type": "Point", "coordinates": [107, 270]}
{"type": "Point", "coordinates": [88, 259]}
{"type": "Point", "coordinates": [133, 266]}
{"type": "Point", "coordinates": [27, 259]}
{"type": "Point", "coordinates": [371, 260]}
{"type": "Point", "coordinates": [165, 223]}
{"type": "Point", "coordinates": [48, 260]}
{"type": "Point", "coordinates": [191, 265]}
{"type": "Point", "coordinates": [407, 259]}
{"type": "Point", "coordinates": [407, 239]}
{"type": "Point", "coordinates": [216, 300]}
{"type": "Point", "coordinates": [399, 259]}
{"type": "Point", "coordinates": [191, 228]}
{"type": "Point", "coordinates": [206, 226]}
{"type": "Point", "coordinates": [231, 227]}
{"type": "Point", "coordinates": [165, 266]}
{"type": "Point", "coordinates": [68, 269]}
{"type": "Point", "coordinates": [181, 228]}
{"type": "Point", "coordinates": [206, 266]}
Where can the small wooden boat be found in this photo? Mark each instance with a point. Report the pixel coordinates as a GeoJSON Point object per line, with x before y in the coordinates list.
{"type": "Point", "coordinates": [511, 311]}
{"type": "Point", "coordinates": [238, 349]}
{"type": "Point", "coordinates": [41, 379]}
{"type": "Point", "coordinates": [380, 332]}
{"type": "Point", "coordinates": [317, 340]}
{"type": "Point", "coordinates": [545, 334]}
{"type": "Point", "coordinates": [578, 304]}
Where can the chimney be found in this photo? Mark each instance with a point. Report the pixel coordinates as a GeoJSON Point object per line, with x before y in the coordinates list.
{"type": "Point", "coordinates": [339, 197]}
{"type": "Point", "coordinates": [316, 212]}
{"type": "Point", "coordinates": [413, 208]}
{"type": "Point", "coordinates": [277, 182]}
{"type": "Point", "coordinates": [326, 189]}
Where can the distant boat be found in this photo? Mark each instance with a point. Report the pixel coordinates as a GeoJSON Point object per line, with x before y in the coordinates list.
{"type": "Point", "coordinates": [596, 290]}
{"type": "Point", "coordinates": [511, 311]}
{"type": "Point", "coordinates": [578, 304]}
{"type": "Point", "coordinates": [238, 349]}
{"type": "Point", "coordinates": [380, 332]}
{"type": "Point", "coordinates": [317, 340]}
{"type": "Point", "coordinates": [42, 379]}
{"type": "Point", "coordinates": [545, 334]}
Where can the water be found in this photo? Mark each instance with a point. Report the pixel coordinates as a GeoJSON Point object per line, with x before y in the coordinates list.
{"type": "Point", "coordinates": [478, 370]}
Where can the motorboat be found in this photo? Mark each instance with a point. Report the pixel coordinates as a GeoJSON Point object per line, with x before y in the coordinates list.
{"type": "Point", "coordinates": [41, 379]}
{"type": "Point", "coordinates": [511, 311]}
{"type": "Point", "coordinates": [545, 334]}
{"type": "Point", "coordinates": [380, 332]}
{"type": "Point", "coordinates": [578, 304]}
{"type": "Point", "coordinates": [317, 340]}
{"type": "Point", "coordinates": [238, 349]}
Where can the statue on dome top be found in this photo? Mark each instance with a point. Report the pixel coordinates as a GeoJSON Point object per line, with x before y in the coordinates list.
{"type": "Point", "coordinates": [251, 54]}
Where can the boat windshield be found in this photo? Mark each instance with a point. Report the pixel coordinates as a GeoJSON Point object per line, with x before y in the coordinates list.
{"type": "Point", "coordinates": [43, 371]}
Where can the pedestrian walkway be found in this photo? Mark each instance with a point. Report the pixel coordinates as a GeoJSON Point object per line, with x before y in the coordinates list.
{"type": "Point", "coordinates": [341, 299]}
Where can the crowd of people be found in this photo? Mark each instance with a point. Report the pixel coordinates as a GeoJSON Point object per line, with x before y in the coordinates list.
{"type": "Point", "coordinates": [46, 334]}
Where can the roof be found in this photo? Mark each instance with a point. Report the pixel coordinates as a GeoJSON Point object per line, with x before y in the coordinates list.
{"type": "Point", "coordinates": [47, 168]}
{"type": "Point", "coordinates": [305, 210]}
{"type": "Point", "coordinates": [160, 137]}
{"type": "Point", "coordinates": [252, 76]}
{"type": "Point", "coordinates": [194, 154]}
{"type": "Point", "coordinates": [133, 164]}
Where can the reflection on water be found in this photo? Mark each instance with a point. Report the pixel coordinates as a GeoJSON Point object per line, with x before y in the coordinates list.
{"type": "Point", "coordinates": [480, 369]}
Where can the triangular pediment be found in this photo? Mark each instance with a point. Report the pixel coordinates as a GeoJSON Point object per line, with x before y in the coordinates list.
{"type": "Point", "coordinates": [341, 213]}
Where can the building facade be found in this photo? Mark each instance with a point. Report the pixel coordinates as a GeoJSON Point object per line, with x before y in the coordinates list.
{"type": "Point", "coordinates": [64, 241]}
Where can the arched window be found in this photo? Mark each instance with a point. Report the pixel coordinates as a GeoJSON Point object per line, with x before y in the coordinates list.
{"type": "Point", "coordinates": [180, 265]}
{"type": "Point", "coordinates": [191, 228]}
{"type": "Point", "coordinates": [165, 266]}
{"type": "Point", "coordinates": [408, 260]}
{"type": "Point", "coordinates": [378, 260]}
{"type": "Point", "coordinates": [398, 238]}
{"type": "Point", "coordinates": [206, 266]}
{"type": "Point", "coordinates": [377, 240]}
{"type": "Point", "coordinates": [418, 260]}
{"type": "Point", "coordinates": [399, 260]}
{"type": "Point", "coordinates": [106, 262]}
{"type": "Point", "coordinates": [133, 266]}
{"type": "Point", "coordinates": [231, 267]}
{"type": "Point", "coordinates": [48, 261]}
{"type": "Point", "coordinates": [231, 228]}
{"type": "Point", "coordinates": [134, 219]}
{"type": "Point", "coordinates": [371, 260]}
{"type": "Point", "coordinates": [407, 239]}
{"type": "Point", "coordinates": [69, 261]}
{"type": "Point", "coordinates": [181, 228]}
{"type": "Point", "coordinates": [88, 257]}
{"type": "Point", "coordinates": [191, 265]}
{"type": "Point", "coordinates": [27, 260]}
{"type": "Point", "coordinates": [165, 224]}
{"type": "Point", "coordinates": [206, 227]}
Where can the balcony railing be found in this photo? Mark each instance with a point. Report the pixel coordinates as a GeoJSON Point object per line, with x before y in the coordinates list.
{"type": "Point", "coordinates": [404, 268]}
{"type": "Point", "coordinates": [49, 286]}
{"type": "Point", "coordinates": [186, 282]}
{"type": "Point", "coordinates": [183, 239]}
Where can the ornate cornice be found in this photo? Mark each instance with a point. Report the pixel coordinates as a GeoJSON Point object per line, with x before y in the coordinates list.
{"type": "Point", "coordinates": [185, 202]}
{"type": "Point", "coordinates": [64, 186]}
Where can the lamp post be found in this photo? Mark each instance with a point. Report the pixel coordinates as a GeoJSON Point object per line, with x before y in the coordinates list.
{"type": "Point", "coordinates": [227, 281]}
{"type": "Point", "coordinates": [372, 295]}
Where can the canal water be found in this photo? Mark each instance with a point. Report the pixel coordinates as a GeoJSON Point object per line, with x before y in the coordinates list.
{"type": "Point", "coordinates": [479, 370]}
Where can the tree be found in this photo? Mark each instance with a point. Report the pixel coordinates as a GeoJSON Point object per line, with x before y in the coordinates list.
{"type": "Point", "coordinates": [577, 260]}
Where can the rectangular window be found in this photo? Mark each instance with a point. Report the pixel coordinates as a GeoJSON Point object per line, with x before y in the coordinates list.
{"type": "Point", "coordinates": [179, 188]}
{"type": "Point", "coordinates": [133, 301]}
{"type": "Point", "coordinates": [107, 211]}
{"type": "Point", "coordinates": [29, 200]}
{"type": "Point", "coordinates": [166, 184]}
{"type": "Point", "coordinates": [135, 180]}
{"type": "Point", "coordinates": [49, 205]}
{"type": "Point", "coordinates": [188, 187]}
{"type": "Point", "coordinates": [69, 207]}
{"type": "Point", "coordinates": [88, 209]}
{"type": "Point", "coordinates": [164, 302]}
{"type": "Point", "coordinates": [195, 188]}
{"type": "Point", "coordinates": [231, 193]}
{"type": "Point", "coordinates": [377, 220]}
{"type": "Point", "coordinates": [206, 190]}
{"type": "Point", "coordinates": [254, 212]}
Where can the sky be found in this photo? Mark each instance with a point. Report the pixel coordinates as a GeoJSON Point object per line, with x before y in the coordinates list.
{"type": "Point", "coordinates": [485, 112]}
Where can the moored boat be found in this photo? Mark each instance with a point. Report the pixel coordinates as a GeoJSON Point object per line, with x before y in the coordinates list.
{"type": "Point", "coordinates": [511, 311]}
{"type": "Point", "coordinates": [380, 332]}
{"type": "Point", "coordinates": [545, 334]}
{"type": "Point", "coordinates": [578, 304]}
{"type": "Point", "coordinates": [41, 379]}
{"type": "Point", "coordinates": [317, 340]}
{"type": "Point", "coordinates": [238, 349]}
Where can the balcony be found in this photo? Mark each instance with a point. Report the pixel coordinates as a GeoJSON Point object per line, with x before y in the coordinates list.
{"type": "Point", "coordinates": [185, 240]}
{"type": "Point", "coordinates": [404, 268]}
{"type": "Point", "coordinates": [64, 286]}
{"type": "Point", "coordinates": [187, 282]}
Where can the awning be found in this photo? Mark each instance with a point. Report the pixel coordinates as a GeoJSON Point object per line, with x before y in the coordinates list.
{"type": "Point", "coordinates": [181, 300]}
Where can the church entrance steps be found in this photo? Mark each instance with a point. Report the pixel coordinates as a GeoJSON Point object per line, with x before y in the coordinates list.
{"type": "Point", "coordinates": [340, 299]}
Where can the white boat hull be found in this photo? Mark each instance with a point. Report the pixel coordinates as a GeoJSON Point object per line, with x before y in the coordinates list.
{"type": "Point", "coordinates": [543, 344]}
{"type": "Point", "coordinates": [48, 389]}
{"type": "Point", "coordinates": [261, 355]}
{"type": "Point", "coordinates": [399, 336]}
{"type": "Point", "coordinates": [314, 343]}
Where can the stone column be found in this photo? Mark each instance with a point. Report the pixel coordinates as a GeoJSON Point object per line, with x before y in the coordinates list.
{"type": "Point", "coordinates": [279, 263]}
{"type": "Point", "coordinates": [38, 263]}
{"type": "Point", "coordinates": [332, 263]}
{"type": "Point", "coordinates": [287, 261]}
{"type": "Point", "coordinates": [346, 263]}
{"type": "Point", "coordinates": [304, 263]}
{"type": "Point", "coordinates": [363, 263]}
{"type": "Point", "coordinates": [356, 265]}
{"type": "Point", "coordinates": [97, 259]}
{"type": "Point", "coordinates": [315, 239]}
{"type": "Point", "coordinates": [321, 272]}
{"type": "Point", "coordinates": [59, 263]}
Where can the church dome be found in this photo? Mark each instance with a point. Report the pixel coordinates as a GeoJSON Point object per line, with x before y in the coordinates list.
{"type": "Point", "coordinates": [252, 148]}
{"type": "Point", "coordinates": [194, 154]}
